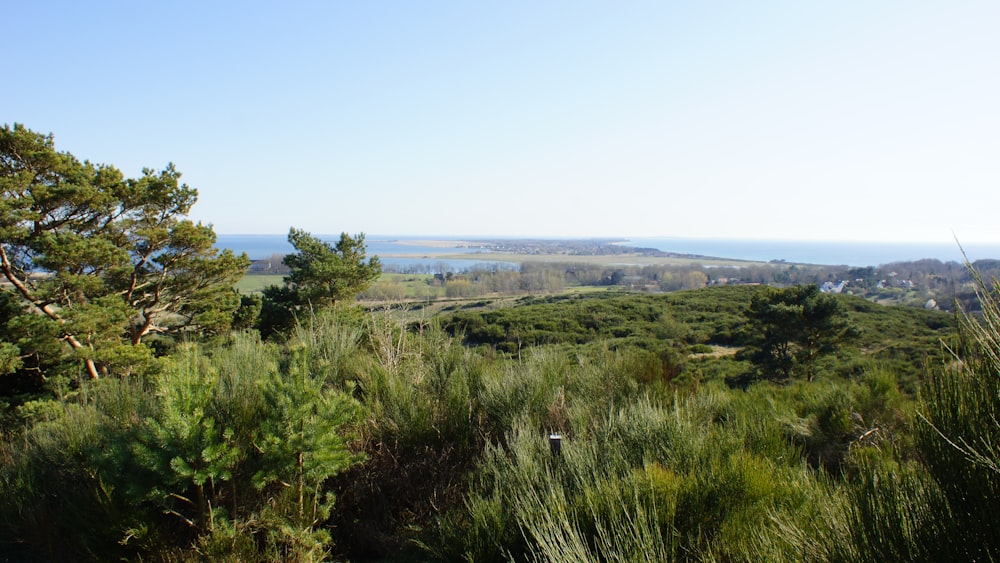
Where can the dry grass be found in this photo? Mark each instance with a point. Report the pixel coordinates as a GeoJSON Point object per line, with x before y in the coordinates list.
{"type": "Point", "coordinates": [718, 352]}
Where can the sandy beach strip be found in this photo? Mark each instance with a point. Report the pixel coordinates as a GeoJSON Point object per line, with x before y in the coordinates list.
{"type": "Point", "coordinates": [434, 243]}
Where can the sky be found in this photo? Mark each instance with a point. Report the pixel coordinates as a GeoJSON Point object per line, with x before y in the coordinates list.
{"type": "Point", "coordinates": [838, 121]}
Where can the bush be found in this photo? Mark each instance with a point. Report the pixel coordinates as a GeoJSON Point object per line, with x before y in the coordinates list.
{"type": "Point", "coordinates": [648, 483]}
{"type": "Point", "coordinates": [215, 450]}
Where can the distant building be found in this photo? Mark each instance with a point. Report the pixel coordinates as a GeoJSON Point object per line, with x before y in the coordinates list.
{"type": "Point", "coordinates": [831, 287]}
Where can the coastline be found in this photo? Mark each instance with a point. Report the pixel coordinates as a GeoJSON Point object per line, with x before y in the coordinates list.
{"type": "Point", "coordinates": [596, 259]}
{"type": "Point", "coordinates": [433, 243]}
{"type": "Point", "coordinates": [682, 251]}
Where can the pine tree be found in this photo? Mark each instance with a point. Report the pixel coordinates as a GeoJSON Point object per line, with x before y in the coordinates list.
{"type": "Point", "coordinates": [107, 260]}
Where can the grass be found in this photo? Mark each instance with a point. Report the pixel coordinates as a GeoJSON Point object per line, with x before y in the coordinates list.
{"type": "Point", "coordinates": [412, 285]}
{"type": "Point", "coordinates": [255, 283]}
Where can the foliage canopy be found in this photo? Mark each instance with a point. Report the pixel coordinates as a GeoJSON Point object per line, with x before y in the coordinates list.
{"type": "Point", "coordinates": [789, 329]}
{"type": "Point", "coordinates": [322, 274]}
{"type": "Point", "coordinates": [106, 260]}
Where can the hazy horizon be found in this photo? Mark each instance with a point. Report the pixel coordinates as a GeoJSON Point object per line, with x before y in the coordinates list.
{"type": "Point", "coordinates": [514, 236]}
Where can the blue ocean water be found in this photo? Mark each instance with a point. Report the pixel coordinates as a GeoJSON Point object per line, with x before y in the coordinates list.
{"type": "Point", "coordinates": [828, 253]}
{"type": "Point", "coordinates": [417, 256]}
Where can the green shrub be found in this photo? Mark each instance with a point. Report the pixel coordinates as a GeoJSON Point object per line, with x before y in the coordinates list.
{"type": "Point", "coordinates": [647, 482]}
{"type": "Point", "coordinates": [228, 450]}
{"type": "Point", "coordinates": [51, 493]}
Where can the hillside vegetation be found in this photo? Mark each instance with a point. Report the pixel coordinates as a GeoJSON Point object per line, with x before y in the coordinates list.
{"type": "Point", "coordinates": [687, 324]}
{"type": "Point", "coordinates": [444, 423]}
{"type": "Point", "coordinates": [150, 412]}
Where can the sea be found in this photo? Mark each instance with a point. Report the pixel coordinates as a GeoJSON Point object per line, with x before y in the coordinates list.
{"type": "Point", "coordinates": [853, 253]}
{"type": "Point", "coordinates": [410, 255]}
{"type": "Point", "coordinates": [416, 257]}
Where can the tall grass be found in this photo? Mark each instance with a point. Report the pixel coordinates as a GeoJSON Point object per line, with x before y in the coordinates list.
{"type": "Point", "coordinates": [935, 498]}
{"type": "Point", "coordinates": [421, 429]}
{"type": "Point", "coordinates": [646, 481]}
{"type": "Point", "coordinates": [959, 433]}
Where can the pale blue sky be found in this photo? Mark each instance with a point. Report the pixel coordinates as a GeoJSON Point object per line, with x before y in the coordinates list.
{"type": "Point", "coordinates": [851, 120]}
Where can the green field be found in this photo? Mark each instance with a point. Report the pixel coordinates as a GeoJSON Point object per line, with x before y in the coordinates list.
{"type": "Point", "coordinates": [255, 283]}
